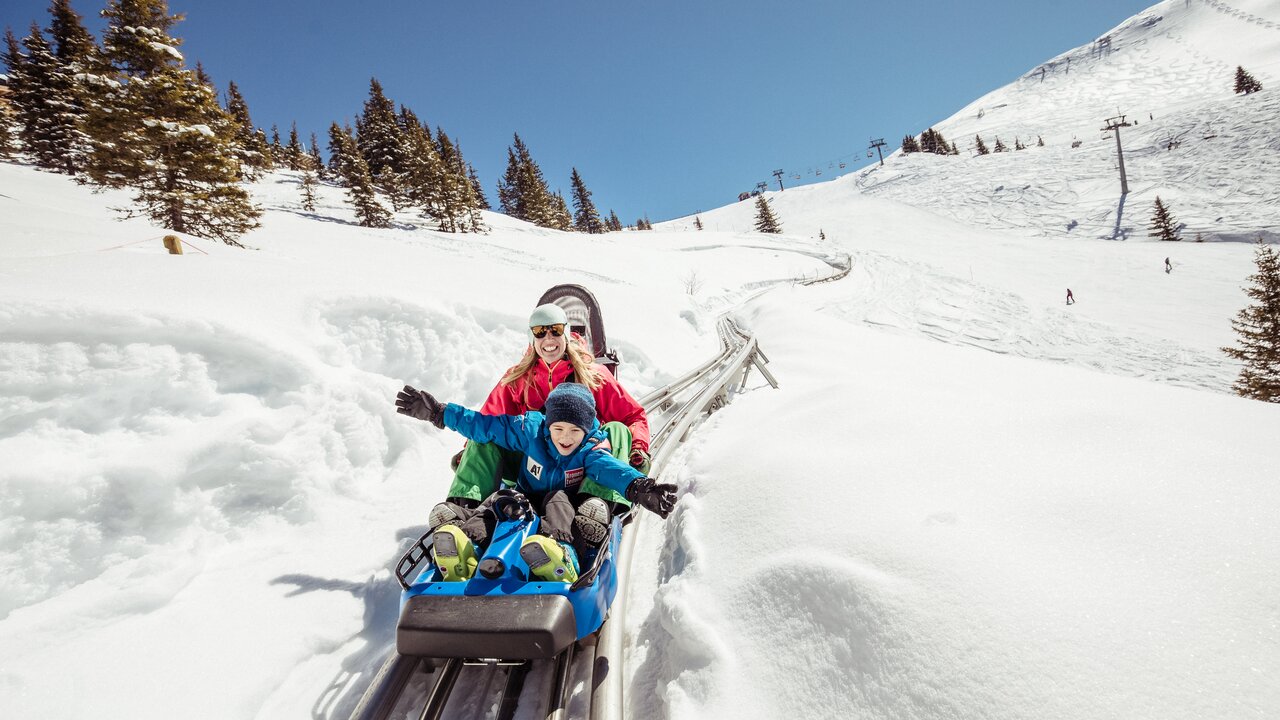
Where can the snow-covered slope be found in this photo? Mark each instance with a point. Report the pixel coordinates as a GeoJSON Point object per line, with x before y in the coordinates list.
{"type": "Point", "coordinates": [1210, 154]}
{"type": "Point", "coordinates": [967, 499]}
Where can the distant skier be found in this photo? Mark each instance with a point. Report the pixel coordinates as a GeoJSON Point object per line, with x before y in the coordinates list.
{"type": "Point", "coordinates": [1168, 268]}
{"type": "Point", "coordinates": [1071, 299]}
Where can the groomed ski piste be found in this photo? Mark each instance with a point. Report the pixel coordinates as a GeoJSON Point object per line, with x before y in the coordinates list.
{"type": "Point", "coordinates": [966, 499]}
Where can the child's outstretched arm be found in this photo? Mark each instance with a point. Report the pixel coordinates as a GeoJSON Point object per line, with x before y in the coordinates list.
{"type": "Point", "coordinates": [509, 431]}
{"type": "Point", "coordinates": [658, 498]}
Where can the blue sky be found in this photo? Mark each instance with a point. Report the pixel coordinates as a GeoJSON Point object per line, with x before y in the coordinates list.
{"type": "Point", "coordinates": [666, 107]}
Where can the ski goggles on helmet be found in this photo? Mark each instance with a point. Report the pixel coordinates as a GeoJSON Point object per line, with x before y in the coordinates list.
{"type": "Point", "coordinates": [540, 331]}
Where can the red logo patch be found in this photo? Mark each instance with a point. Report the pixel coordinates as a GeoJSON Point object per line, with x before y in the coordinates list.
{"type": "Point", "coordinates": [574, 476]}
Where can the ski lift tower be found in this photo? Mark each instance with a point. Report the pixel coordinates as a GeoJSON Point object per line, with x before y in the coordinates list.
{"type": "Point", "coordinates": [778, 174]}
{"type": "Point", "coordinates": [1113, 125]}
{"type": "Point", "coordinates": [877, 144]}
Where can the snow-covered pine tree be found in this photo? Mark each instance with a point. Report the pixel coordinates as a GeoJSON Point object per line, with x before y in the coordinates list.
{"type": "Point", "coordinates": [359, 183]}
{"type": "Point", "coordinates": [1017, 144]}
{"type": "Point", "coordinates": [381, 144]}
{"type": "Point", "coordinates": [423, 178]}
{"type": "Point", "coordinates": [1258, 328]}
{"type": "Point", "coordinates": [1246, 83]}
{"type": "Point", "coordinates": [982, 147]}
{"type": "Point", "coordinates": [614, 223]}
{"type": "Point", "coordinates": [909, 144]}
{"type": "Point", "coordinates": [561, 218]}
{"type": "Point", "coordinates": [44, 95]}
{"type": "Point", "coordinates": [1163, 226]}
{"type": "Point", "coordinates": [295, 156]}
{"type": "Point", "coordinates": [1039, 141]}
{"type": "Point", "coordinates": [463, 207]}
{"type": "Point", "coordinates": [766, 221]}
{"type": "Point", "coordinates": [821, 235]}
{"type": "Point", "coordinates": [308, 189]}
{"type": "Point", "coordinates": [160, 132]}
{"type": "Point", "coordinates": [250, 144]}
{"type": "Point", "coordinates": [1000, 146]}
{"type": "Point", "coordinates": [79, 61]}
{"type": "Point", "coordinates": [585, 216]}
{"type": "Point", "coordinates": [697, 222]}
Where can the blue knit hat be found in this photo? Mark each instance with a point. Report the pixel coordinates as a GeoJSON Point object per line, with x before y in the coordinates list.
{"type": "Point", "coordinates": [571, 403]}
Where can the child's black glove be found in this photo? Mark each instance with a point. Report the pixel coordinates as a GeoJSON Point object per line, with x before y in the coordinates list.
{"type": "Point", "coordinates": [419, 404]}
{"type": "Point", "coordinates": [657, 498]}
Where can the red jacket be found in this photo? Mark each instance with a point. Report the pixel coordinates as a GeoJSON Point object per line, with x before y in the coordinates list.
{"type": "Point", "coordinates": [613, 402]}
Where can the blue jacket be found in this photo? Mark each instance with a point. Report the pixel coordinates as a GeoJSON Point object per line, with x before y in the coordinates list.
{"type": "Point", "coordinates": [544, 468]}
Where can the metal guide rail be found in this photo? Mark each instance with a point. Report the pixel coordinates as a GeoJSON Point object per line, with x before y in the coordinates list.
{"type": "Point", "coordinates": [585, 681]}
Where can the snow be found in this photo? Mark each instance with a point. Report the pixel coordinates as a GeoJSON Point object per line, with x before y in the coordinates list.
{"type": "Point", "coordinates": [966, 499]}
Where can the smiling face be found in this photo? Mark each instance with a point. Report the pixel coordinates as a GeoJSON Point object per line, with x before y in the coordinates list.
{"type": "Point", "coordinates": [566, 437]}
{"type": "Point", "coordinates": [550, 348]}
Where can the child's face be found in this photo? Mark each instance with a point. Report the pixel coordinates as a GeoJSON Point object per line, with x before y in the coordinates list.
{"type": "Point", "coordinates": [566, 437]}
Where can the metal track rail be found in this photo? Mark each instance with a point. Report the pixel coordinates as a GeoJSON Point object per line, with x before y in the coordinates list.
{"type": "Point", "coordinates": [585, 681]}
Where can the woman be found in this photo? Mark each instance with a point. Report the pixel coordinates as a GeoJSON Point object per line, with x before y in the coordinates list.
{"type": "Point", "coordinates": [554, 356]}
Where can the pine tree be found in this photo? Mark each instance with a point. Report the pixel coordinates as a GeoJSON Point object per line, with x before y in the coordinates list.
{"type": "Point", "coordinates": [250, 144]}
{"type": "Point", "coordinates": [932, 141]}
{"type": "Point", "coordinates": [561, 218]}
{"type": "Point", "coordinates": [1000, 146]}
{"type": "Point", "coordinates": [982, 147]}
{"type": "Point", "coordinates": [295, 156]}
{"type": "Point", "coordinates": [697, 222]}
{"type": "Point", "coordinates": [821, 235]}
{"type": "Point", "coordinates": [766, 221]}
{"type": "Point", "coordinates": [6, 134]}
{"type": "Point", "coordinates": [44, 96]}
{"type": "Point", "coordinates": [1163, 226]}
{"type": "Point", "coordinates": [355, 175]}
{"type": "Point", "coordinates": [277, 150]}
{"type": "Point", "coordinates": [1039, 141]}
{"type": "Point", "coordinates": [313, 156]}
{"type": "Point", "coordinates": [585, 217]}
{"type": "Point", "coordinates": [909, 144]}
{"type": "Point", "coordinates": [381, 143]}
{"type": "Point", "coordinates": [522, 190]}
{"type": "Point", "coordinates": [1246, 83]}
{"type": "Point", "coordinates": [462, 206]}
{"type": "Point", "coordinates": [423, 175]}
{"type": "Point", "coordinates": [482, 202]}
{"type": "Point", "coordinates": [1017, 144]}
{"type": "Point", "coordinates": [1258, 328]}
{"type": "Point", "coordinates": [160, 132]}
{"type": "Point", "coordinates": [614, 223]}
{"type": "Point", "coordinates": [308, 189]}
{"type": "Point", "coordinates": [78, 61]}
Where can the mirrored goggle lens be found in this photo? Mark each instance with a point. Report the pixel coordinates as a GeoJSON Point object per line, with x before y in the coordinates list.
{"type": "Point", "coordinates": [540, 331]}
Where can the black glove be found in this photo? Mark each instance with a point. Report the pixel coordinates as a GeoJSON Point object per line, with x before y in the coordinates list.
{"type": "Point", "coordinates": [658, 498]}
{"type": "Point", "coordinates": [420, 404]}
{"type": "Point", "coordinates": [640, 460]}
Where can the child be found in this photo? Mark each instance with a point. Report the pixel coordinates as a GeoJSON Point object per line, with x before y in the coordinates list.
{"type": "Point", "coordinates": [561, 448]}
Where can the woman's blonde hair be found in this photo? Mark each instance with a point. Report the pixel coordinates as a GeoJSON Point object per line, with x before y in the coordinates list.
{"type": "Point", "coordinates": [580, 359]}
